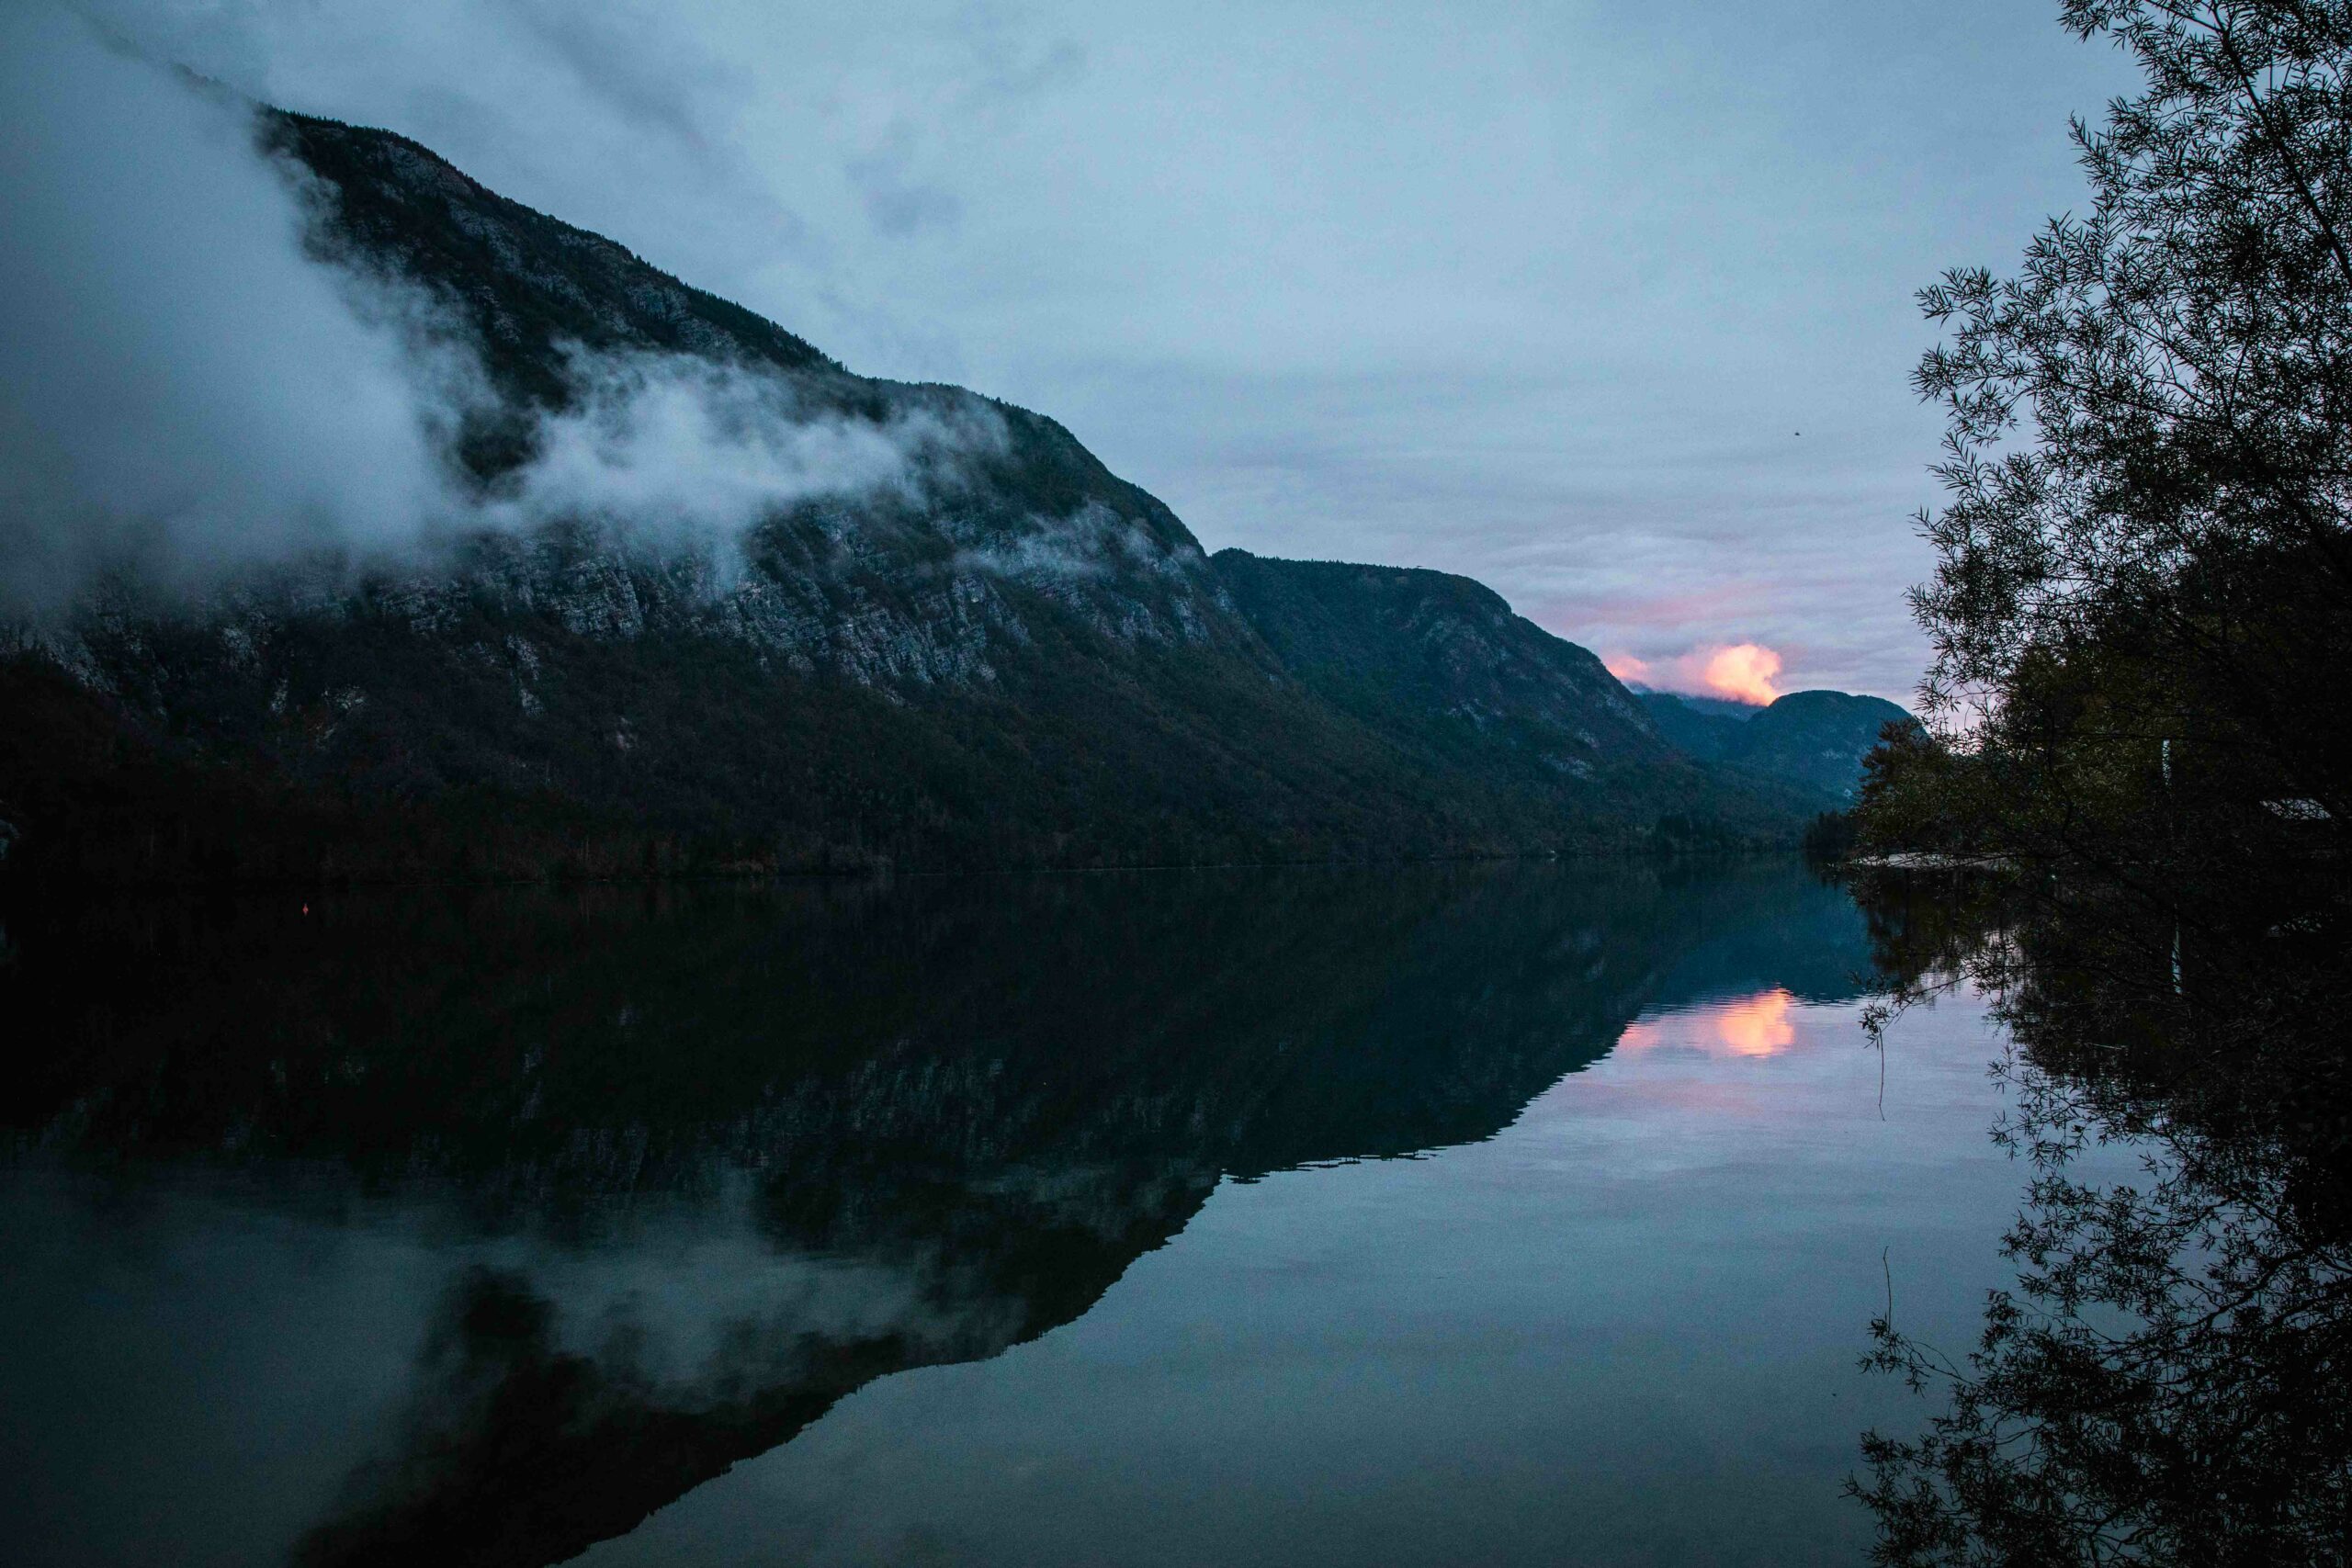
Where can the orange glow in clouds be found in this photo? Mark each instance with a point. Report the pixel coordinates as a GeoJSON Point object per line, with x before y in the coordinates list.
{"type": "Point", "coordinates": [1744, 672]}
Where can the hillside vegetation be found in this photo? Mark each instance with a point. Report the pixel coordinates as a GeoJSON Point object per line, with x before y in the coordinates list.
{"type": "Point", "coordinates": [1006, 655]}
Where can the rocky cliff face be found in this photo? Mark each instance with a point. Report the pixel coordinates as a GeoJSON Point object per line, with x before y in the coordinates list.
{"type": "Point", "coordinates": [982, 647]}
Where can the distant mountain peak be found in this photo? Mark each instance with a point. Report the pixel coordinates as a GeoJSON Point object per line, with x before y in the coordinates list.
{"type": "Point", "coordinates": [1814, 738]}
{"type": "Point", "coordinates": [1721, 707]}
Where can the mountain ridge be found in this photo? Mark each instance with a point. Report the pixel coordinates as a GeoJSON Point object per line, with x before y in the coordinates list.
{"type": "Point", "coordinates": [1814, 738]}
{"type": "Point", "coordinates": [1010, 656]}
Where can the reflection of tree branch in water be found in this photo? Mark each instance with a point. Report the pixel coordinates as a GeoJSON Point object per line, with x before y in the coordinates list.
{"type": "Point", "coordinates": [2168, 1380]}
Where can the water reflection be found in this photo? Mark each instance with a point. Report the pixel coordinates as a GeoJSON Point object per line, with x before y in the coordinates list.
{"type": "Point", "coordinates": [700, 1162]}
{"type": "Point", "coordinates": [2170, 1379]}
{"type": "Point", "coordinates": [1759, 1025]}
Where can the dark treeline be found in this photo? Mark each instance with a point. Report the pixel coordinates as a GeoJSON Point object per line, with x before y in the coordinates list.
{"type": "Point", "coordinates": [2139, 735]}
{"type": "Point", "coordinates": [2142, 611]}
{"type": "Point", "coordinates": [782, 774]}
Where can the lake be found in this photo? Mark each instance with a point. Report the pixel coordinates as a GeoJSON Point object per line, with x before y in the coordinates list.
{"type": "Point", "coordinates": [1505, 1214]}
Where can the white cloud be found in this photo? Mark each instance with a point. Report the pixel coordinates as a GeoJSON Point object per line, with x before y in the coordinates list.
{"type": "Point", "coordinates": [682, 449]}
{"type": "Point", "coordinates": [184, 393]}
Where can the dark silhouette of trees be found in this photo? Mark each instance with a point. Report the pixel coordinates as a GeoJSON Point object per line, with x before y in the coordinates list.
{"type": "Point", "coordinates": [2142, 615]}
{"type": "Point", "coordinates": [2143, 581]}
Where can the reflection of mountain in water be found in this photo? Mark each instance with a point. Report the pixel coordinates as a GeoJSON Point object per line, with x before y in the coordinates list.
{"type": "Point", "coordinates": [953, 1114]}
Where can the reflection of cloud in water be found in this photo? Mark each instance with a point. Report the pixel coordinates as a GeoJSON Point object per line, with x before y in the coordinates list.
{"type": "Point", "coordinates": [1745, 1026]}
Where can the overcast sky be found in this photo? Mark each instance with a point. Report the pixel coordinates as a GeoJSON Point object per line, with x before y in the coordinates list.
{"type": "Point", "coordinates": [1606, 305]}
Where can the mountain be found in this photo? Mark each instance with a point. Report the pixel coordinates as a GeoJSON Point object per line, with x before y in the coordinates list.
{"type": "Point", "coordinates": [1814, 740]}
{"type": "Point", "coordinates": [1440, 664]}
{"type": "Point", "coordinates": [1696, 726]}
{"type": "Point", "coordinates": [1002, 653]}
{"type": "Point", "coordinates": [1716, 707]}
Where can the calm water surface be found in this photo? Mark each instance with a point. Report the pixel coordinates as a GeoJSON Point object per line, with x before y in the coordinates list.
{"type": "Point", "coordinates": [1496, 1215]}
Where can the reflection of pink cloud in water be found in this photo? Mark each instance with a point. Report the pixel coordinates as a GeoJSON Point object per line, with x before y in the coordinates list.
{"type": "Point", "coordinates": [1752, 1026]}
{"type": "Point", "coordinates": [1759, 1026]}
{"type": "Point", "coordinates": [1640, 1037]}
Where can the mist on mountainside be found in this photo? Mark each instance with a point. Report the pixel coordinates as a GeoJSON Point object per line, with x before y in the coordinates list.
{"type": "Point", "coordinates": [195, 383]}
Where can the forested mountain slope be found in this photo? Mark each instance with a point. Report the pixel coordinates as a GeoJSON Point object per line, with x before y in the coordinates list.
{"type": "Point", "coordinates": [996, 652]}
{"type": "Point", "coordinates": [1808, 741]}
{"type": "Point", "coordinates": [1440, 664]}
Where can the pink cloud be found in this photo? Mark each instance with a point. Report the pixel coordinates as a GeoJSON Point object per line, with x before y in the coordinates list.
{"type": "Point", "coordinates": [1742, 672]}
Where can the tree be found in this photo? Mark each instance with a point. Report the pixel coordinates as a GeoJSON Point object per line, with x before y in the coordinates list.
{"type": "Point", "coordinates": [2141, 618]}
{"type": "Point", "coordinates": [2147, 536]}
